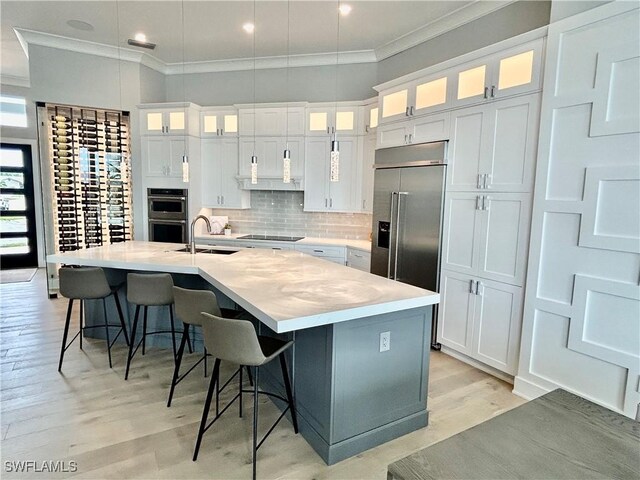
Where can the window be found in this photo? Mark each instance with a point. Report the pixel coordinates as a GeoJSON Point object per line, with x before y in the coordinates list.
{"type": "Point", "coordinates": [13, 111]}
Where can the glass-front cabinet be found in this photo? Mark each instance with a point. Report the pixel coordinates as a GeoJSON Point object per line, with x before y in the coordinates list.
{"type": "Point", "coordinates": [218, 123]}
{"type": "Point", "coordinates": [168, 119]}
{"type": "Point", "coordinates": [330, 120]}
{"type": "Point", "coordinates": [417, 98]}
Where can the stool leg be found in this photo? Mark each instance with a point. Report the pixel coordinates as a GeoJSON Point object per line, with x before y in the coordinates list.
{"type": "Point", "coordinates": [287, 386]}
{"type": "Point", "coordinates": [106, 329]}
{"type": "Point", "coordinates": [250, 376]}
{"type": "Point", "coordinates": [132, 343]}
{"type": "Point", "coordinates": [121, 317]}
{"type": "Point", "coordinates": [144, 330]}
{"type": "Point", "coordinates": [207, 405]}
{"type": "Point", "coordinates": [81, 321]}
{"type": "Point", "coordinates": [173, 332]}
{"type": "Point", "coordinates": [205, 361]}
{"type": "Point", "coordinates": [194, 336]}
{"type": "Point", "coordinates": [255, 421]}
{"type": "Point", "coordinates": [240, 393]}
{"type": "Point", "coordinates": [66, 333]}
{"type": "Point", "coordinates": [176, 370]}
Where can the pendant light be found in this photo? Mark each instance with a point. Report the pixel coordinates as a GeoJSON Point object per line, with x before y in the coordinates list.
{"type": "Point", "coordinates": [185, 157]}
{"type": "Point", "coordinates": [334, 170]}
{"type": "Point", "coordinates": [286, 158]}
{"type": "Point", "coordinates": [254, 158]}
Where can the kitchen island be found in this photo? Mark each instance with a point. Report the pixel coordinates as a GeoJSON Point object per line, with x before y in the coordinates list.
{"type": "Point", "coordinates": [352, 392]}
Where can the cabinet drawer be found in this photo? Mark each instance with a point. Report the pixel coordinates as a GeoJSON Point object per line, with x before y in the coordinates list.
{"type": "Point", "coordinates": [268, 245]}
{"type": "Point", "coordinates": [322, 251]}
{"type": "Point", "coordinates": [359, 260]}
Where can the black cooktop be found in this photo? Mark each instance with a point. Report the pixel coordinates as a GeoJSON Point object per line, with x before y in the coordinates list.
{"type": "Point", "coordinates": [273, 238]}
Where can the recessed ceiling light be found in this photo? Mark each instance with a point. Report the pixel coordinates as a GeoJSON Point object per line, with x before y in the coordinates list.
{"type": "Point", "coordinates": [80, 25]}
{"type": "Point", "coordinates": [344, 9]}
{"type": "Point", "coordinates": [248, 27]}
{"type": "Point", "coordinates": [140, 37]}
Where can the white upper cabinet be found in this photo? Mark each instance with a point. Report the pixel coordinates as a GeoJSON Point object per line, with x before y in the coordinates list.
{"type": "Point", "coordinates": [493, 146]}
{"type": "Point", "coordinates": [168, 119]}
{"type": "Point", "coordinates": [416, 98]}
{"type": "Point", "coordinates": [511, 72]}
{"type": "Point", "coordinates": [220, 189]}
{"type": "Point", "coordinates": [430, 128]}
{"type": "Point", "coordinates": [270, 153]}
{"type": "Point", "coordinates": [218, 123]}
{"type": "Point", "coordinates": [272, 121]}
{"type": "Point", "coordinates": [371, 118]}
{"type": "Point", "coordinates": [327, 120]}
{"type": "Point", "coordinates": [320, 193]}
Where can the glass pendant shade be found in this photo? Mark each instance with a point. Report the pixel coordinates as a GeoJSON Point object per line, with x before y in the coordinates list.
{"type": "Point", "coordinates": [254, 170]}
{"type": "Point", "coordinates": [185, 169]}
{"type": "Point", "coordinates": [286, 166]}
{"type": "Point", "coordinates": [335, 162]}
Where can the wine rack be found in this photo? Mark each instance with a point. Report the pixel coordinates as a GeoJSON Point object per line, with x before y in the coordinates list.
{"type": "Point", "coordinates": [89, 152]}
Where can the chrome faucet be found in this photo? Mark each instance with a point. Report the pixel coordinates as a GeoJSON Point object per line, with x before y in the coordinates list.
{"type": "Point", "coordinates": [192, 247]}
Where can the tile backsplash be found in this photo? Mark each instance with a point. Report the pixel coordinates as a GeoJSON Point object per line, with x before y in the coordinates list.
{"type": "Point", "coordinates": [280, 213]}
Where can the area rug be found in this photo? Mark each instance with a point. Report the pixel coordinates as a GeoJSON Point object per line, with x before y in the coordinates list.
{"type": "Point", "coordinates": [18, 275]}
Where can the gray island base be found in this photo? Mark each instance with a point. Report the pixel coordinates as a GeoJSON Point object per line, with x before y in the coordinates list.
{"type": "Point", "coordinates": [350, 395]}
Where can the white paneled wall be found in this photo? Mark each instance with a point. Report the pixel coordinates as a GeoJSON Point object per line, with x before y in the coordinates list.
{"type": "Point", "coordinates": [581, 327]}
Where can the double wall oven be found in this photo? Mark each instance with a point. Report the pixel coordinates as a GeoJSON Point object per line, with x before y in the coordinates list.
{"type": "Point", "coordinates": [168, 214]}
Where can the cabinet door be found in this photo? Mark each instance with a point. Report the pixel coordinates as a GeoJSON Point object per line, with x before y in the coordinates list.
{"type": "Point", "coordinates": [371, 118]}
{"type": "Point", "coordinates": [431, 94]}
{"type": "Point", "coordinates": [214, 124]}
{"type": "Point", "coordinates": [155, 156]}
{"type": "Point", "coordinates": [246, 149]}
{"type": "Point", "coordinates": [176, 152]}
{"type": "Point", "coordinates": [392, 135]}
{"type": "Point", "coordinates": [497, 324]}
{"type": "Point", "coordinates": [266, 121]}
{"type": "Point", "coordinates": [503, 237]}
{"type": "Point", "coordinates": [368, 158]}
{"type": "Point", "coordinates": [431, 128]}
{"type": "Point", "coordinates": [177, 122]}
{"type": "Point", "coordinates": [211, 172]}
{"type": "Point", "coordinates": [152, 122]}
{"type": "Point", "coordinates": [295, 120]}
{"type": "Point", "coordinates": [343, 193]}
{"type": "Point", "coordinates": [468, 146]}
{"type": "Point", "coordinates": [394, 104]}
{"type": "Point", "coordinates": [319, 121]}
{"type": "Point", "coordinates": [517, 70]}
{"type": "Point", "coordinates": [345, 121]}
{"type": "Point", "coordinates": [511, 160]}
{"type": "Point", "coordinates": [296, 147]}
{"type": "Point", "coordinates": [471, 83]}
{"type": "Point", "coordinates": [231, 194]}
{"type": "Point", "coordinates": [456, 311]}
{"type": "Point", "coordinates": [462, 228]}
{"type": "Point", "coordinates": [316, 175]}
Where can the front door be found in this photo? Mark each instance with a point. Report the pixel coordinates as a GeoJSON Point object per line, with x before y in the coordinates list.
{"type": "Point", "coordinates": [18, 248]}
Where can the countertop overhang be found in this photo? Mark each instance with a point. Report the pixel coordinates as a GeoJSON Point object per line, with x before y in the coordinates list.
{"type": "Point", "coordinates": [286, 290]}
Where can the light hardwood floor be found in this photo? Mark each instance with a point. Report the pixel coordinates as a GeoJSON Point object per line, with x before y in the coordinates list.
{"type": "Point", "coordinates": [117, 429]}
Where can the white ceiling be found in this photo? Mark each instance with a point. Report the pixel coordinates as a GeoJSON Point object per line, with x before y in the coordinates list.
{"type": "Point", "coordinates": [213, 29]}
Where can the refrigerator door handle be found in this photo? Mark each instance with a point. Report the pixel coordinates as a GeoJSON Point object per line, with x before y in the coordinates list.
{"type": "Point", "coordinates": [395, 266]}
{"type": "Point", "coordinates": [392, 227]}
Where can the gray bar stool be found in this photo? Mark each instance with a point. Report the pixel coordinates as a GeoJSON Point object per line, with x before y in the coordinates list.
{"type": "Point", "coordinates": [148, 290]}
{"type": "Point", "coordinates": [88, 283]}
{"type": "Point", "coordinates": [189, 304]}
{"type": "Point", "coordinates": [236, 341]}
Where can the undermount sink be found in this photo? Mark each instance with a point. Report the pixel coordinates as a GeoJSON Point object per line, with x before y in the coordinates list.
{"type": "Point", "coordinates": [213, 251]}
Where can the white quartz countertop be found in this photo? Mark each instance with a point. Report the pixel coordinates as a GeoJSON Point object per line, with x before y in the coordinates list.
{"type": "Point", "coordinates": [286, 290]}
{"type": "Point", "coordinates": [364, 245]}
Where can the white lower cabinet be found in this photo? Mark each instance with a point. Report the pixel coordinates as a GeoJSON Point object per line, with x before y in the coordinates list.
{"type": "Point", "coordinates": [320, 193]}
{"type": "Point", "coordinates": [487, 235]}
{"type": "Point", "coordinates": [219, 170]}
{"type": "Point", "coordinates": [481, 318]}
{"type": "Point", "coordinates": [358, 259]}
{"type": "Point", "coordinates": [334, 254]}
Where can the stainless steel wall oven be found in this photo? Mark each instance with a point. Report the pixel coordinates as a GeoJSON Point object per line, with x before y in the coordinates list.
{"type": "Point", "coordinates": [168, 214]}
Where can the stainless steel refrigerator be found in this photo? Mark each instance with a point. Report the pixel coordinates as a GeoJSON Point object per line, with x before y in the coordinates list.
{"type": "Point", "coordinates": [408, 204]}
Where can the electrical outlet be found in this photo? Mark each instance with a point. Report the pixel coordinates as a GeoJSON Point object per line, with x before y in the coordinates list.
{"type": "Point", "coordinates": [385, 341]}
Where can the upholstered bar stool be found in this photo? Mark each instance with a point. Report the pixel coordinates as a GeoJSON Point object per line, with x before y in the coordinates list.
{"type": "Point", "coordinates": [88, 283]}
{"type": "Point", "coordinates": [189, 305]}
{"type": "Point", "coordinates": [148, 290]}
{"type": "Point", "coordinates": [236, 341]}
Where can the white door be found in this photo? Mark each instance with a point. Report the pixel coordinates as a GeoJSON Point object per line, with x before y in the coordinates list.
{"type": "Point", "coordinates": [153, 122]}
{"type": "Point", "coordinates": [176, 152]}
{"type": "Point", "coordinates": [231, 195]}
{"type": "Point", "coordinates": [155, 156]}
{"type": "Point", "coordinates": [211, 172]}
{"type": "Point", "coordinates": [461, 232]}
{"type": "Point", "coordinates": [392, 135]}
{"type": "Point", "coordinates": [471, 83]}
{"type": "Point", "coordinates": [503, 237]}
{"type": "Point", "coordinates": [517, 70]}
{"type": "Point", "coordinates": [467, 148]}
{"type": "Point", "coordinates": [368, 158]}
{"type": "Point", "coordinates": [496, 326]}
{"type": "Point", "coordinates": [430, 128]}
{"type": "Point", "coordinates": [394, 104]}
{"type": "Point", "coordinates": [456, 311]}
{"type": "Point", "coordinates": [296, 147]}
{"type": "Point", "coordinates": [246, 149]}
{"type": "Point", "coordinates": [343, 193]}
{"type": "Point", "coordinates": [514, 132]}
{"type": "Point", "coordinates": [316, 168]}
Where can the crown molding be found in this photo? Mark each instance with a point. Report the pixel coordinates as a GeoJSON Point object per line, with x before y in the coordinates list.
{"type": "Point", "coordinates": [455, 19]}
{"type": "Point", "coordinates": [14, 80]}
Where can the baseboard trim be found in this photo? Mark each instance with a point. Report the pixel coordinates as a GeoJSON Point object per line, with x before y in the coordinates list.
{"type": "Point", "coordinates": [479, 365]}
{"type": "Point", "coordinates": [527, 389]}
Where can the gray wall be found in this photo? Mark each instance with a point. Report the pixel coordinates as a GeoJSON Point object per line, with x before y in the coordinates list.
{"type": "Point", "coordinates": [152, 85]}
{"type": "Point", "coordinates": [565, 8]}
{"type": "Point", "coordinates": [313, 84]}
{"type": "Point", "coordinates": [512, 20]}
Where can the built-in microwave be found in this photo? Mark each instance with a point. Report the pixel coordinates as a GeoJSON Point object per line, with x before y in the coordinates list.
{"type": "Point", "coordinates": [167, 203]}
{"type": "Point", "coordinates": [171, 231]}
